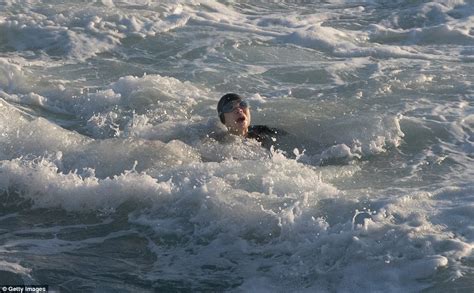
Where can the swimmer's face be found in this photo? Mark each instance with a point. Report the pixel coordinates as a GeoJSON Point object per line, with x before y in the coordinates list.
{"type": "Point", "coordinates": [237, 120]}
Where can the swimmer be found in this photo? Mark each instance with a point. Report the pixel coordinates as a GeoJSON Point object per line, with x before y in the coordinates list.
{"type": "Point", "coordinates": [234, 113]}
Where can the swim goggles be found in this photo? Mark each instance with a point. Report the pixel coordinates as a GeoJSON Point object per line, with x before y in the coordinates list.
{"type": "Point", "coordinates": [229, 107]}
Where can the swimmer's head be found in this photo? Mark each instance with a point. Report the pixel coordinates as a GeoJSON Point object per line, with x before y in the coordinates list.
{"type": "Point", "coordinates": [234, 112]}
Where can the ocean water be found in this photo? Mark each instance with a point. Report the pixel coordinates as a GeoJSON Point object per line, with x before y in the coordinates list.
{"type": "Point", "coordinates": [110, 182]}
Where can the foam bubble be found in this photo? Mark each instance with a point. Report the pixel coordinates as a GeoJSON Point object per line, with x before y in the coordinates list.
{"type": "Point", "coordinates": [12, 77]}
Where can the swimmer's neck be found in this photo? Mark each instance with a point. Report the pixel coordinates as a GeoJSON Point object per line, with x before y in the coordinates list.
{"type": "Point", "coordinates": [239, 132]}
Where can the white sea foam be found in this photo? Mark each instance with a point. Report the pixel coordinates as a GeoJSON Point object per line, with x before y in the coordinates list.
{"type": "Point", "coordinates": [82, 31]}
{"type": "Point", "coordinates": [108, 138]}
{"type": "Point", "coordinates": [14, 267]}
{"type": "Point", "coordinates": [442, 34]}
{"type": "Point", "coordinates": [335, 42]}
{"type": "Point", "coordinates": [49, 188]}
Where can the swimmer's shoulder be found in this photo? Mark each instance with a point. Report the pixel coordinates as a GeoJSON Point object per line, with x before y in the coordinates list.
{"type": "Point", "coordinates": [258, 130]}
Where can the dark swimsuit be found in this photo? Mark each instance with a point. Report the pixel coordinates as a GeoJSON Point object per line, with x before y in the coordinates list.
{"type": "Point", "coordinates": [267, 136]}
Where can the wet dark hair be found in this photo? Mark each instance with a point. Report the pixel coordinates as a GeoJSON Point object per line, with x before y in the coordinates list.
{"type": "Point", "coordinates": [227, 98]}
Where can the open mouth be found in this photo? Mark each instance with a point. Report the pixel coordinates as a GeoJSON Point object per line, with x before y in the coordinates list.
{"type": "Point", "coordinates": [240, 120]}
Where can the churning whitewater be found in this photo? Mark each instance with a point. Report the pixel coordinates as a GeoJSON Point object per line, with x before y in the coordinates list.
{"type": "Point", "coordinates": [111, 180]}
